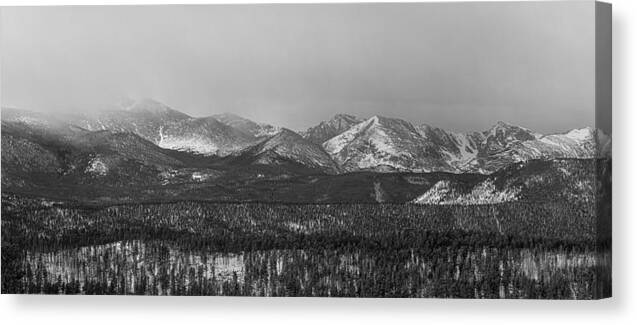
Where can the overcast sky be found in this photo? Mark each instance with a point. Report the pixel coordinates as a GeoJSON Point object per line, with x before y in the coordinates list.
{"type": "Point", "coordinates": [459, 66]}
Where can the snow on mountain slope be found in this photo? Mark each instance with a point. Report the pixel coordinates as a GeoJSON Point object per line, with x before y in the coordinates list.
{"type": "Point", "coordinates": [457, 149]}
{"type": "Point", "coordinates": [171, 129]}
{"type": "Point", "coordinates": [384, 144]}
{"type": "Point", "coordinates": [124, 145]}
{"type": "Point", "coordinates": [468, 149]}
{"type": "Point", "coordinates": [26, 117]}
{"type": "Point", "coordinates": [502, 136]}
{"type": "Point", "coordinates": [27, 155]}
{"type": "Point", "coordinates": [504, 144]}
{"type": "Point", "coordinates": [54, 152]}
{"type": "Point", "coordinates": [290, 146]}
{"type": "Point", "coordinates": [485, 192]}
{"type": "Point", "coordinates": [143, 117]}
{"type": "Point", "coordinates": [247, 126]}
{"type": "Point", "coordinates": [203, 136]}
{"type": "Point", "coordinates": [534, 180]}
{"type": "Point", "coordinates": [38, 122]}
{"type": "Point", "coordinates": [377, 144]}
{"type": "Point", "coordinates": [97, 166]}
{"type": "Point", "coordinates": [579, 143]}
{"type": "Point", "coordinates": [329, 129]}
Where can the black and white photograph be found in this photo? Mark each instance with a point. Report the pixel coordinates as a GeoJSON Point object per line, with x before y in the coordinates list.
{"type": "Point", "coordinates": [372, 150]}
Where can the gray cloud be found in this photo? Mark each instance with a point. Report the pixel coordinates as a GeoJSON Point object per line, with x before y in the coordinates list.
{"type": "Point", "coordinates": [460, 66]}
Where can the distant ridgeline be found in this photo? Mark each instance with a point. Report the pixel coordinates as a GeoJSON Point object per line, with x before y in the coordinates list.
{"type": "Point", "coordinates": [145, 150]}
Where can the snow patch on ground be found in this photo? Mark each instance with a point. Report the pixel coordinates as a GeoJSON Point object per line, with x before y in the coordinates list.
{"type": "Point", "coordinates": [28, 120]}
{"type": "Point", "coordinates": [370, 162]}
{"type": "Point", "coordinates": [435, 194]}
{"type": "Point", "coordinates": [97, 167]}
{"type": "Point", "coordinates": [485, 192]}
{"type": "Point", "coordinates": [195, 145]}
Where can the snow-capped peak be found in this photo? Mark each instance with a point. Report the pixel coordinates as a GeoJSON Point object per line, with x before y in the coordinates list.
{"type": "Point", "coordinates": [291, 146]}
{"type": "Point", "coordinates": [247, 126]}
{"type": "Point", "coordinates": [330, 128]}
{"type": "Point", "coordinates": [346, 117]}
{"type": "Point", "coordinates": [381, 143]}
{"type": "Point", "coordinates": [503, 128]}
{"type": "Point", "coordinates": [581, 134]}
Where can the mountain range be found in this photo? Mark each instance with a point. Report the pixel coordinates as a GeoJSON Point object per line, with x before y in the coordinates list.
{"type": "Point", "coordinates": [376, 144]}
{"type": "Point", "coordinates": [145, 142]}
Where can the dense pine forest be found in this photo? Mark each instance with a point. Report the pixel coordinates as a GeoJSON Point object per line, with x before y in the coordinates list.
{"type": "Point", "coordinates": [507, 250]}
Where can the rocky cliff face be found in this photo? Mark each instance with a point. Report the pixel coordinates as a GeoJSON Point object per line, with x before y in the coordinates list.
{"type": "Point", "coordinates": [329, 129]}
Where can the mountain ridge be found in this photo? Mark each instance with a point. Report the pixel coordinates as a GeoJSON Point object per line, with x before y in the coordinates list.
{"type": "Point", "coordinates": [326, 130]}
{"type": "Point", "coordinates": [378, 143]}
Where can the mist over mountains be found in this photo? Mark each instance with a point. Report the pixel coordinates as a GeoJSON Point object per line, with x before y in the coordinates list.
{"type": "Point", "coordinates": [146, 143]}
